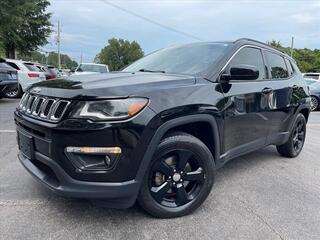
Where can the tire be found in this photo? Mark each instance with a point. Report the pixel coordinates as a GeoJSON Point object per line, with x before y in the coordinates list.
{"type": "Point", "coordinates": [294, 145]}
{"type": "Point", "coordinates": [314, 103]}
{"type": "Point", "coordinates": [14, 94]}
{"type": "Point", "coordinates": [179, 178]}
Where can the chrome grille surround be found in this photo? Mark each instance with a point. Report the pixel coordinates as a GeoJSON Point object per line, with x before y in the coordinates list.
{"type": "Point", "coordinates": [44, 108]}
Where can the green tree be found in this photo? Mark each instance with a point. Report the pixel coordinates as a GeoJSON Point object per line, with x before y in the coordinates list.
{"type": "Point", "coordinates": [50, 59]}
{"type": "Point", "coordinates": [66, 61]}
{"type": "Point", "coordinates": [119, 53]}
{"type": "Point", "coordinates": [25, 25]}
{"type": "Point", "coordinates": [308, 60]}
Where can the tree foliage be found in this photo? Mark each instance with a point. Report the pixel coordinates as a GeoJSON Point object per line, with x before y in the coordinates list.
{"type": "Point", "coordinates": [50, 59]}
{"type": "Point", "coordinates": [119, 53]}
{"type": "Point", "coordinates": [308, 60]}
{"type": "Point", "coordinates": [25, 25]}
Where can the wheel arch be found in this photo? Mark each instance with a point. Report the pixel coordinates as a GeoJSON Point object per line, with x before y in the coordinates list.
{"type": "Point", "coordinates": [175, 124]}
{"type": "Point", "coordinates": [305, 112]}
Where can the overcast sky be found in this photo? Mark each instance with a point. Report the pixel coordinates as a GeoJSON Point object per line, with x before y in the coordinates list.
{"type": "Point", "coordinates": [88, 24]}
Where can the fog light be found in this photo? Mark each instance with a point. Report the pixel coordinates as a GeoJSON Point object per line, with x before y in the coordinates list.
{"type": "Point", "coordinates": [94, 150]}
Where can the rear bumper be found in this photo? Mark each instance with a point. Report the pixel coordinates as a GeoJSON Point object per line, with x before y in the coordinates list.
{"type": "Point", "coordinates": [117, 195]}
{"type": "Point", "coordinates": [8, 86]}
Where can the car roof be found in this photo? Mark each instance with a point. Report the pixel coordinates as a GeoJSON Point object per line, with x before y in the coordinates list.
{"type": "Point", "coordinates": [14, 60]}
{"type": "Point", "coordinates": [97, 64]}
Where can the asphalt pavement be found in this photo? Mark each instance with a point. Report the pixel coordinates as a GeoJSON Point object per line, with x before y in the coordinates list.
{"type": "Point", "coordinates": [258, 196]}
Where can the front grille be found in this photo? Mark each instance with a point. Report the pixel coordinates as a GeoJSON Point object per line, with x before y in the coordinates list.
{"type": "Point", "coordinates": [41, 107]}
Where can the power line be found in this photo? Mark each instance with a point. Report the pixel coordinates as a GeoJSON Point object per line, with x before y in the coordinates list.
{"type": "Point", "coordinates": [150, 20]}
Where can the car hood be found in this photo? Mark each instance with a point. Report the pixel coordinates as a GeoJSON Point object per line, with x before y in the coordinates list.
{"type": "Point", "coordinates": [110, 85]}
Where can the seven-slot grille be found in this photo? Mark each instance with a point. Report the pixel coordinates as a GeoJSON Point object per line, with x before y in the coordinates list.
{"type": "Point", "coordinates": [45, 108]}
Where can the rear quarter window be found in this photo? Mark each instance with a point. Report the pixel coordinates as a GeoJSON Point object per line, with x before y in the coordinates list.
{"type": "Point", "coordinates": [277, 65]}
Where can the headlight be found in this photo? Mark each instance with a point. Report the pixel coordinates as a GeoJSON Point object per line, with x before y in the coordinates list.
{"type": "Point", "coordinates": [113, 109]}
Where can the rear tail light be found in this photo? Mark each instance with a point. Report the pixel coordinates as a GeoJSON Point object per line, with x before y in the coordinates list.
{"type": "Point", "coordinates": [31, 75]}
{"type": "Point", "coordinates": [51, 76]}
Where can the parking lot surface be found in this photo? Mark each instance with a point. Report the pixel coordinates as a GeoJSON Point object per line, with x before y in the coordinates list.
{"type": "Point", "coordinates": [258, 196]}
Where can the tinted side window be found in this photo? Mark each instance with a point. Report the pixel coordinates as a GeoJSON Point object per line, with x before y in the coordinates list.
{"type": "Point", "coordinates": [289, 66]}
{"type": "Point", "coordinates": [31, 67]}
{"type": "Point", "coordinates": [250, 56]}
{"type": "Point", "coordinates": [277, 65]}
{"type": "Point", "coordinates": [313, 76]}
{"type": "Point", "coordinates": [13, 65]}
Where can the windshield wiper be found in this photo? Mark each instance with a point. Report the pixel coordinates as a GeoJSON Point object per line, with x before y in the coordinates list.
{"type": "Point", "coordinates": [153, 71]}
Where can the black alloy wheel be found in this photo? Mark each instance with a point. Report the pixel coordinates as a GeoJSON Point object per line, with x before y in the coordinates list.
{"type": "Point", "coordinates": [294, 145]}
{"type": "Point", "coordinates": [299, 135]}
{"type": "Point", "coordinates": [176, 178]}
{"type": "Point", "coordinates": [179, 178]}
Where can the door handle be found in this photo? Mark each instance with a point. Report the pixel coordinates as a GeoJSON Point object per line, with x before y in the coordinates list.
{"type": "Point", "coordinates": [267, 91]}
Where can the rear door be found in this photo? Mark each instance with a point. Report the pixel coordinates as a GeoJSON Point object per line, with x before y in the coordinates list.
{"type": "Point", "coordinates": [246, 120]}
{"type": "Point", "coordinates": [284, 86]}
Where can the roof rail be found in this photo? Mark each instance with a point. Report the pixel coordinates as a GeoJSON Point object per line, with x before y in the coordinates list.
{"type": "Point", "coordinates": [252, 40]}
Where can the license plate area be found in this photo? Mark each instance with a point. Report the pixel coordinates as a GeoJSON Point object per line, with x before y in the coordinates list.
{"type": "Point", "coordinates": [26, 145]}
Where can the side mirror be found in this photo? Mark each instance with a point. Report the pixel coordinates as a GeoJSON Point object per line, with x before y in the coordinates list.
{"type": "Point", "coordinates": [241, 72]}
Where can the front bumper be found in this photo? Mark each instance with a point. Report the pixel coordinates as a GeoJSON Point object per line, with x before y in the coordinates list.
{"type": "Point", "coordinates": [120, 195]}
{"type": "Point", "coordinates": [51, 165]}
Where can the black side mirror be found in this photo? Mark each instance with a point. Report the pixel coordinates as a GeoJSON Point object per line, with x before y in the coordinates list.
{"type": "Point", "coordinates": [241, 72]}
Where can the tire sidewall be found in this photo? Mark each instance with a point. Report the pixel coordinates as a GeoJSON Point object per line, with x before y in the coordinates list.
{"type": "Point", "coordinates": [299, 117]}
{"type": "Point", "coordinates": [17, 95]}
{"type": "Point", "coordinates": [205, 159]}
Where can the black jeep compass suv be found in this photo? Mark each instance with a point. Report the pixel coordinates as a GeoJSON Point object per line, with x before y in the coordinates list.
{"type": "Point", "coordinates": [157, 131]}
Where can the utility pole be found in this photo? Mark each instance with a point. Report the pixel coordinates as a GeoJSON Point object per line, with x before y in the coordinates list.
{"type": "Point", "coordinates": [58, 42]}
{"type": "Point", "coordinates": [81, 58]}
{"type": "Point", "coordinates": [291, 50]}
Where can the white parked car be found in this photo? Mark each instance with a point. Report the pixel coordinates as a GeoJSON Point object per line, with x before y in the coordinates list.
{"type": "Point", "coordinates": [91, 68]}
{"type": "Point", "coordinates": [315, 76]}
{"type": "Point", "coordinates": [28, 74]}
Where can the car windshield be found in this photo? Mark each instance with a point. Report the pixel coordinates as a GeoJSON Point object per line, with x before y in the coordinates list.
{"type": "Point", "coordinates": [188, 59]}
{"type": "Point", "coordinates": [92, 68]}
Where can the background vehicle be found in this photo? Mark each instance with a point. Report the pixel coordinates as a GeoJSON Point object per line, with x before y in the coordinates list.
{"type": "Point", "coordinates": [314, 86]}
{"type": "Point", "coordinates": [315, 76]}
{"type": "Point", "coordinates": [90, 68]}
{"type": "Point", "coordinates": [28, 74]}
{"type": "Point", "coordinates": [157, 131]}
{"type": "Point", "coordinates": [63, 72]}
{"type": "Point", "coordinates": [51, 72]}
{"type": "Point", "coordinates": [8, 78]}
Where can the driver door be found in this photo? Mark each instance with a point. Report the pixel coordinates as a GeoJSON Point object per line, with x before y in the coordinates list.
{"type": "Point", "coordinates": [246, 119]}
